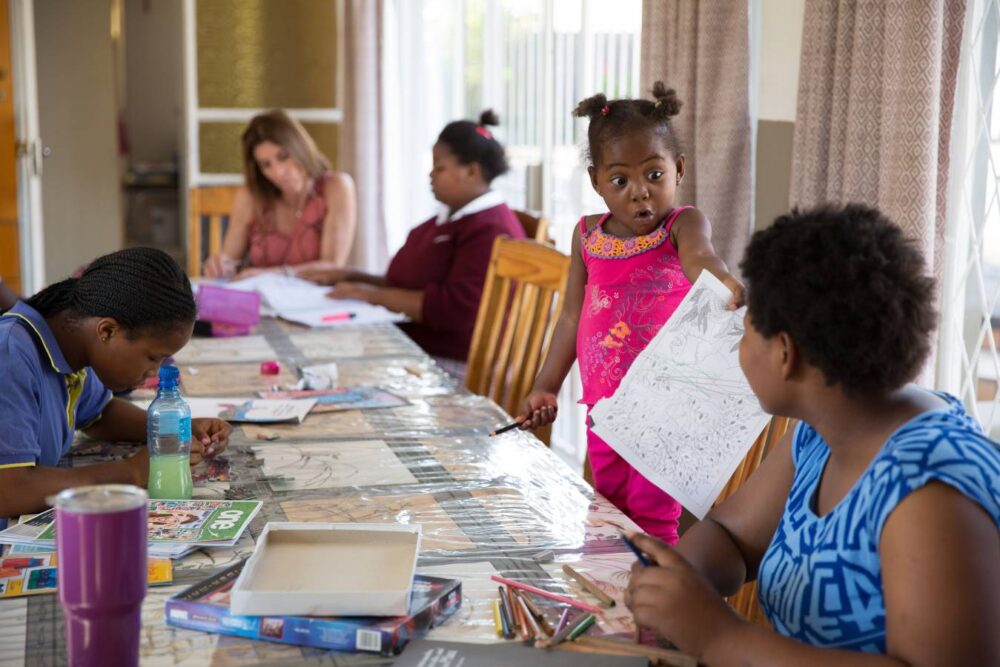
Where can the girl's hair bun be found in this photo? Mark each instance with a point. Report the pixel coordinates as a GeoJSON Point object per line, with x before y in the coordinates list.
{"type": "Point", "coordinates": [590, 107]}
{"type": "Point", "coordinates": [667, 105]}
{"type": "Point", "coordinates": [489, 117]}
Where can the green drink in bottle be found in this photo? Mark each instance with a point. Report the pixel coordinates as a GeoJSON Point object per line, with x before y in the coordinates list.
{"type": "Point", "coordinates": [168, 430]}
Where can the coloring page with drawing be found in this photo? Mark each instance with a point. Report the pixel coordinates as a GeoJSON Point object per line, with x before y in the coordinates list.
{"type": "Point", "coordinates": [684, 415]}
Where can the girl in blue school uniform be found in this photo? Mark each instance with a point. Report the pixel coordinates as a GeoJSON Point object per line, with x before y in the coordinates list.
{"type": "Point", "coordinates": [63, 352]}
{"type": "Point", "coordinates": [873, 527]}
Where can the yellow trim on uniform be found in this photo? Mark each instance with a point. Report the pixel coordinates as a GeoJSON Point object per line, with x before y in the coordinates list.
{"type": "Point", "coordinates": [40, 337]}
{"type": "Point", "coordinates": [26, 464]}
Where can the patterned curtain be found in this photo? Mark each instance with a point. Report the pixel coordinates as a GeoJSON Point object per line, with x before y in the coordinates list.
{"type": "Point", "coordinates": [876, 92]}
{"type": "Point", "coordinates": [701, 49]}
{"type": "Point", "coordinates": [360, 138]}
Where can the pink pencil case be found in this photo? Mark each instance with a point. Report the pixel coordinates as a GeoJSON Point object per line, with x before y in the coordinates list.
{"type": "Point", "coordinates": [235, 310]}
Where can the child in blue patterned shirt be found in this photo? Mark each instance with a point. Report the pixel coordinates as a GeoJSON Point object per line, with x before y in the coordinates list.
{"type": "Point", "coordinates": [873, 527]}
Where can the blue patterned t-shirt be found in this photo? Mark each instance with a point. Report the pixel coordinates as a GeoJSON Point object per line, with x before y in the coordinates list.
{"type": "Point", "coordinates": [820, 580]}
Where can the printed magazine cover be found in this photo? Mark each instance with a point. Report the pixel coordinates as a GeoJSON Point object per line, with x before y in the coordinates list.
{"type": "Point", "coordinates": [205, 606]}
{"type": "Point", "coordinates": [191, 522]}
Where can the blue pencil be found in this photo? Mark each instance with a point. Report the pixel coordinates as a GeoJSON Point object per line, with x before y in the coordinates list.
{"type": "Point", "coordinates": [631, 545]}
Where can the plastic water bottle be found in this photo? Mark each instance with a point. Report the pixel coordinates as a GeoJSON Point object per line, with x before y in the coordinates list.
{"type": "Point", "coordinates": [168, 431]}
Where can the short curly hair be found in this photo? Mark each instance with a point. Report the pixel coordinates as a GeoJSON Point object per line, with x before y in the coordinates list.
{"type": "Point", "coordinates": [849, 289]}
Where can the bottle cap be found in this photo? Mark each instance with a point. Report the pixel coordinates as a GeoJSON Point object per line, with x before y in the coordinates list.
{"type": "Point", "coordinates": [270, 368]}
{"type": "Point", "coordinates": [169, 375]}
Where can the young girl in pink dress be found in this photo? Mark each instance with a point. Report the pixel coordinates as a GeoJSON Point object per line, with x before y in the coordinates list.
{"type": "Point", "coordinates": [630, 269]}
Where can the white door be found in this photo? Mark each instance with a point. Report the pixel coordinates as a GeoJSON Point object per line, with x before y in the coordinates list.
{"type": "Point", "coordinates": [30, 151]}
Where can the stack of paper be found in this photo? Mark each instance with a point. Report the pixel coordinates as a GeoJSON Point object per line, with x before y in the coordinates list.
{"type": "Point", "coordinates": [175, 527]}
{"type": "Point", "coordinates": [253, 411]}
{"type": "Point", "coordinates": [301, 301]}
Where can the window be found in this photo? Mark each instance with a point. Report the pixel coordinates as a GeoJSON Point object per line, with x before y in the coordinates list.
{"type": "Point", "coordinates": [531, 61]}
{"type": "Point", "coordinates": [968, 364]}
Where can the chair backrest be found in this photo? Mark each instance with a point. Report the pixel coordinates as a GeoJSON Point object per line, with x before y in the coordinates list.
{"type": "Point", "coordinates": [522, 298]}
{"type": "Point", "coordinates": [744, 602]}
{"type": "Point", "coordinates": [208, 216]}
{"type": "Point", "coordinates": [535, 226]}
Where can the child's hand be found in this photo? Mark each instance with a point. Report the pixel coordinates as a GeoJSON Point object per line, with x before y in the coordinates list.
{"type": "Point", "coordinates": [138, 467]}
{"type": "Point", "coordinates": [674, 599]}
{"type": "Point", "coordinates": [736, 287]}
{"type": "Point", "coordinates": [539, 409]}
{"type": "Point", "coordinates": [209, 436]}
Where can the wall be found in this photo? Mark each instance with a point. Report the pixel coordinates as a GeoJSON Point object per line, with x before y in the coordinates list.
{"type": "Point", "coordinates": [153, 78]}
{"type": "Point", "coordinates": [777, 88]}
{"type": "Point", "coordinates": [81, 199]}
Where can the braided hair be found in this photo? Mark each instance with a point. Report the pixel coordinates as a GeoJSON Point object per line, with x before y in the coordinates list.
{"type": "Point", "coordinates": [471, 142]}
{"type": "Point", "coordinates": [139, 287]}
{"type": "Point", "coordinates": [612, 119]}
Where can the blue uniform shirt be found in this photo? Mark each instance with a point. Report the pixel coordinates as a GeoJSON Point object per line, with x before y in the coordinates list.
{"type": "Point", "coordinates": [42, 401]}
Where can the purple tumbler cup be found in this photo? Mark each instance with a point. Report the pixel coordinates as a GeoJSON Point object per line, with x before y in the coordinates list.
{"type": "Point", "coordinates": [101, 546]}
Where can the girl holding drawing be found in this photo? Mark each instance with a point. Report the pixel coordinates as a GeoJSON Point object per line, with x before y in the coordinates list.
{"type": "Point", "coordinates": [877, 472]}
{"type": "Point", "coordinates": [630, 269]}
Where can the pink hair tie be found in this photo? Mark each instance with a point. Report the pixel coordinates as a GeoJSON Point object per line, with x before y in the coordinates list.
{"type": "Point", "coordinates": [605, 110]}
{"type": "Point", "coordinates": [483, 132]}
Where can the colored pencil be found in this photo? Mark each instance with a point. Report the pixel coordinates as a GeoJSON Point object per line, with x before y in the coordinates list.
{"type": "Point", "coordinates": [562, 621]}
{"type": "Point", "coordinates": [582, 627]}
{"type": "Point", "coordinates": [545, 594]}
{"type": "Point", "coordinates": [497, 620]}
{"type": "Point", "coordinates": [506, 614]}
{"type": "Point", "coordinates": [631, 545]}
{"type": "Point", "coordinates": [504, 429]}
{"type": "Point", "coordinates": [590, 586]}
{"type": "Point", "coordinates": [533, 626]}
{"type": "Point", "coordinates": [526, 631]}
{"type": "Point", "coordinates": [539, 616]}
{"type": "Point", "coordinates": [567, 630]}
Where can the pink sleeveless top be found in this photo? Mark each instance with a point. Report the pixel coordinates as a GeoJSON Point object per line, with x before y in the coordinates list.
{"type": "Point", "coordinates": [271, 247]}
{"type": "Point", "coordinates": [633, 286]}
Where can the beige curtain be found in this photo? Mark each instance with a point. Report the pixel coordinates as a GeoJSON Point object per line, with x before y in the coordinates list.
{"type": "Point", "coordinates": [701, 49]}
{"type": "Point", "coordinates": [360, 138]}
{"type": "Point", "coordinates": [876, 91]}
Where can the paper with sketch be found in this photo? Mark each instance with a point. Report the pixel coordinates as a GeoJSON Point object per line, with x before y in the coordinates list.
{"type": "Point", "coordinates": [301, 301]}
{"type": "Point", "coordinates": [684, 415]}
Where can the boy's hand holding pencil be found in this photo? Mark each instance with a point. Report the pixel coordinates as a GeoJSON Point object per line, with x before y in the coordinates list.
{"type": "Point", "coordinates": [676, 600]}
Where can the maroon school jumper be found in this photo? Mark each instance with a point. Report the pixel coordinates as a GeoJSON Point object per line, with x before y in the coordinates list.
{"type": "Point", "coordinates": [449, 262]}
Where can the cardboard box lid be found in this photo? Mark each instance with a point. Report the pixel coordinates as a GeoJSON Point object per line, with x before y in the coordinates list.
{"type": "Point", "coordinates": [325, 569]}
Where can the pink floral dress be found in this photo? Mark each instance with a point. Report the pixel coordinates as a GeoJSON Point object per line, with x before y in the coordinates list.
{"type": "Point", "coordinates": [633, 286]}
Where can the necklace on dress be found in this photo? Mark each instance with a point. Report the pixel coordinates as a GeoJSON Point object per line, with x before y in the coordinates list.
{"type": "Point", "coordinates": [303, 200]}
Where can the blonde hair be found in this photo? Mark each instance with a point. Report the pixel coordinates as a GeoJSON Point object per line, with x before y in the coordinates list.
{"type": "Point", "coordinates": [279, 128]}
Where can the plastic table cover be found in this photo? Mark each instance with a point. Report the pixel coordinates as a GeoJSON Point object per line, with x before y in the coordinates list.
{"type": "Point", "coordinates": [503, 505]}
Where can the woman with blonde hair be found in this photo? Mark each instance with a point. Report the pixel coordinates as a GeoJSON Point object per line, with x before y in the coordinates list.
{"type": "Point", "coordinates": [292, 212]}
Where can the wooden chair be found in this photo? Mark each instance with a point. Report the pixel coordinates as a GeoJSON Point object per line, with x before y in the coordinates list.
{"type": "Point", "coordinates": [522, 298]}
{"type": "Point", "coordinates": [745, 599]}
{"type": "Point", "coordinates": [208, 216]}
{"type": "Point", "coordinates": [535, 226]}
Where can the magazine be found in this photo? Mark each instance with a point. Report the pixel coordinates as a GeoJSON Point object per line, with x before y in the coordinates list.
{"type": "Point", "coordinates": [36, 574]}
{"type": "Point", "coordinates": [211, 523]}
{"type": "Point", "coordinates": [348, 398]}
{"type": "Point", "coordinates": [205, 606]}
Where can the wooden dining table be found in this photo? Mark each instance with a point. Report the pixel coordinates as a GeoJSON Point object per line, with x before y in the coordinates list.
{"type": "Point", "coordinates": [504, 505]}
